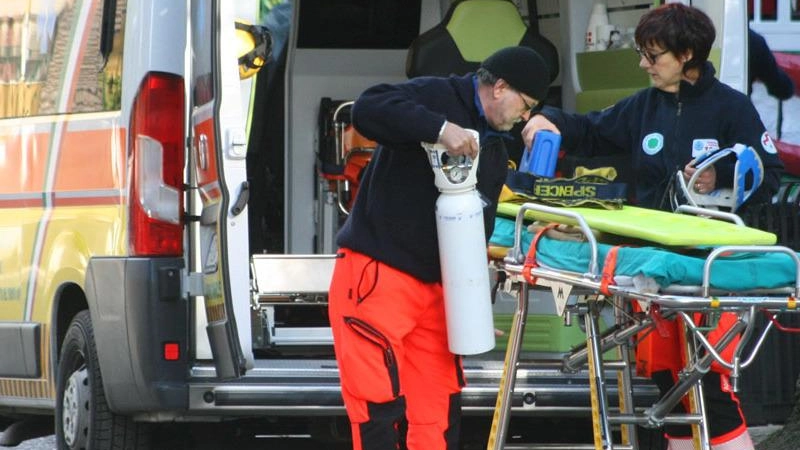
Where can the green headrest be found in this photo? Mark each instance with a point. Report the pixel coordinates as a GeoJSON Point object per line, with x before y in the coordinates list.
{"type": "Point", "coordinates": [474, 39]}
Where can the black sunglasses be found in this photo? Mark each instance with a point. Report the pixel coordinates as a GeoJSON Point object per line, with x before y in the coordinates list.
{"type": "Point", "coordinates": [650, 57]}
{"type": "Point", "coordinates": [528, 107]}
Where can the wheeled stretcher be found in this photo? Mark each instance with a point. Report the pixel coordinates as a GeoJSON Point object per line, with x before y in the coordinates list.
{"type": "Point", "coordinates": [740, 272]}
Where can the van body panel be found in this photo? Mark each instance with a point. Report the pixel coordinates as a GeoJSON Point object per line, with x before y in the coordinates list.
{"type": "Point", "coordinates": [20, 355]}
{"type": "Point", "coordinates": [137, 306]}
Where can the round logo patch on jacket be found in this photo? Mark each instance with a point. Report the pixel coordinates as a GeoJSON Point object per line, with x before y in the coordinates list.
{"type": "Point", "coordinates": [653, 143]}
{"type": "Point", "coordinates": [767, 143]}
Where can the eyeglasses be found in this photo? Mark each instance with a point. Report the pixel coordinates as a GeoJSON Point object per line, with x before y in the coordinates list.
{"type": "Point", "coordinates": [650, 57]}
{"type": "Point", "coordinates": [528, 107]}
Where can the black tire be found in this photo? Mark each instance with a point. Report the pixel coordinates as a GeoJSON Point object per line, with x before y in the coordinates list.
{"type": "Point", "coordinates": [85, 421]}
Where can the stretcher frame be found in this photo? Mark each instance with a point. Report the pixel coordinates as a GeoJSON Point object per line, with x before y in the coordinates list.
{"type": "Point", "coordinates": [674, 301]}
{"type": "Point", "coordinates": [344, 192]}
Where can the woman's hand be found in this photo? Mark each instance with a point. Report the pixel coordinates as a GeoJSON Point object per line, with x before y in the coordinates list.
{"type": "Point", "coordinates": [536, 123]}
{"type": "Point", "coordinates": [705, 182]}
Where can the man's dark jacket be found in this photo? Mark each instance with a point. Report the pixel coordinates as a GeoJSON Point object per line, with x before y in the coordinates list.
{"type": "Point", "coordinates": [393, 218]}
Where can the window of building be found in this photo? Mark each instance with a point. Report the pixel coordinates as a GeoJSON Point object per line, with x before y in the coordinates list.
{"type": "Point", "coordinates": [50, 61]}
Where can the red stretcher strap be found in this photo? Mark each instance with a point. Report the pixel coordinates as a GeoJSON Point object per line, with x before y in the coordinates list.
{"type": "Point", "coordinates": [609, 267]}
{"type": "Point", "coordinates": [530, 258]}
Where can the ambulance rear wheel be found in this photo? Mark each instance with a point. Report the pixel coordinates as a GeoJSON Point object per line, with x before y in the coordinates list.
{"type": "Point", "coordinates": [83, 419]}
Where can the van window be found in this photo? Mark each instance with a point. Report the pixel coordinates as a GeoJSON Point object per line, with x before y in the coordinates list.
{"type": "Point", "coordinates": [358, 24]}
{"type": "Point", "coordinates": [50, 61]}
{"type": "Point", "coordinates": [202, 31]}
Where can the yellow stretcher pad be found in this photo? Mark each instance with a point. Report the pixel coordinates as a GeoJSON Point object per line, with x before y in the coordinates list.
{"type": "Point", "coordinates": [661, 227]}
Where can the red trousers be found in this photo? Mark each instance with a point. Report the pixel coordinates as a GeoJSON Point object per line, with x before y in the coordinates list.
{"type": "Point", "coordinates": [390, 341]}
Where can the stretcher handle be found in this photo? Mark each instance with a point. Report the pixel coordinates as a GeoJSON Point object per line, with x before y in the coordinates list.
{"type": "Point", "coordinates": [735, 365]}
{"type": "Point", "coordinates": [757, 347]}
{"type": "Point", "coordinates": [340, 128]}
{"type": "Point", "coordinates": [698, 211]}
{"type": "Point", "coordinates": [749, 249]}
{"type": "Point", "coordinates": [517, 255]}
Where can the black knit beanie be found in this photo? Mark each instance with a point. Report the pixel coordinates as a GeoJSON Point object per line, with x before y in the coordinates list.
{"type": "Point", "coordinates": [522, 68]}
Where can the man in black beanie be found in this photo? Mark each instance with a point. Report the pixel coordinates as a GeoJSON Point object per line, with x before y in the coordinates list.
{"type": "Point", "coordinates": [386, 303]}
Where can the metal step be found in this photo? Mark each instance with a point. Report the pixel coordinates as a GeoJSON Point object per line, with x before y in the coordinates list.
{"type": "Point", "coordinates": [312, 385]}
{"type": "Point", "coordinates": [283, 284]}
{"type": "Point", "coordinates": [280, 275]}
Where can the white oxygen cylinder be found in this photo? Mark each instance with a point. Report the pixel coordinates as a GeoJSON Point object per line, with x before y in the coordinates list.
{"type": "Point", "coordinates": [462, 252]}
{"type": "Point", "coordinates": [598, 18]}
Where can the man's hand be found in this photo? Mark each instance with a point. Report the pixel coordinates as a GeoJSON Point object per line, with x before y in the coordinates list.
{"type": "Point", "coordinates": [458, 141]}
{"type": "Point", "coordinates": [536, 123]}
{"type": "Point", "coordinates": [705, 182]}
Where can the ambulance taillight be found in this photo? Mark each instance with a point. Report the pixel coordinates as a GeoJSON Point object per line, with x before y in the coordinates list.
{"type": "Point", "coordinates": [157, 158]}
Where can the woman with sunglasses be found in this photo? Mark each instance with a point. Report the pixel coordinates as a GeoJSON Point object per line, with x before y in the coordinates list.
{"type": "Point", "coordinates": [684, 113]}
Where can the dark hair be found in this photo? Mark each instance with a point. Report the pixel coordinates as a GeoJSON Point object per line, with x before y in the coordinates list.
{"type": "Point", "coordinates": [678, 28]}
{"type": "Point", "coordinates": [486, 77]}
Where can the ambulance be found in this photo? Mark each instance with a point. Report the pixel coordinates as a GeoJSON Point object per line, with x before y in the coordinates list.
{"type": "Point", "coordinates": [167, 214]}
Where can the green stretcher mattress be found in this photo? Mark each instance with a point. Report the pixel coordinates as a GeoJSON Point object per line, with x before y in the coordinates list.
{"type": "Point", "coordinates": [660, 227]}
{"type": "Point", "coordinates": [736, 273]}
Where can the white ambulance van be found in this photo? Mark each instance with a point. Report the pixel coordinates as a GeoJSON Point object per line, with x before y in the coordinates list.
{"type": "Point", "coordinates": [167, 220]}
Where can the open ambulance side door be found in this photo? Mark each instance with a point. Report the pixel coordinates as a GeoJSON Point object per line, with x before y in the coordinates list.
{"type": "Point", "coordinates": [217, 185]}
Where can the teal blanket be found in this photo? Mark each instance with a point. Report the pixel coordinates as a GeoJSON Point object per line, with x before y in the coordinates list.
{"type": "Point", "coordinates": [739, 272]}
